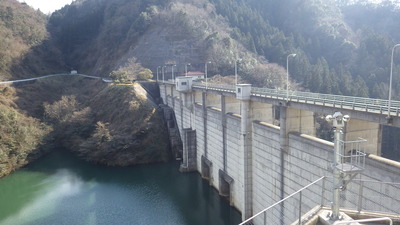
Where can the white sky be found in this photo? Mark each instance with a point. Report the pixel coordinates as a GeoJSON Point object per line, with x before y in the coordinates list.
{"type": "Point", "coordinates": [47, 6]}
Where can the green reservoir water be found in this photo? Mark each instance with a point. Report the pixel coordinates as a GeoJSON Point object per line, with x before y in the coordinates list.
{"type": "Point", "coordinates": [60, 189]}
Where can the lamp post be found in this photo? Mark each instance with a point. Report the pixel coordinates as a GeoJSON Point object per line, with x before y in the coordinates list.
{"type": "Point", "coordinates": [205, 69]}
{"type": "Point", "coordinates": [162, 69]}
{"type": "Point", "coordinates": [390, 81]}
{"type": "Point", "coordinates": [158, 67]}
{"type": "Point", "coordinates": [236, 70]}
{"type": "Point", "coordinates": [287, 75]}
{"type": "Point", "coordinates": [186, 68]}
{"type": "Point", "coordinates": [172, 69]}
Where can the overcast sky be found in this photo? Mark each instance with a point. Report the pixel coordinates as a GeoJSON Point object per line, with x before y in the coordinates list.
{"type": "Point", "coordinates": [47, 6]}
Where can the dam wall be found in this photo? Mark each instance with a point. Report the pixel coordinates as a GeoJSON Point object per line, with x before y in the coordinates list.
{"type": "Point", "coordinates": [254, 163]}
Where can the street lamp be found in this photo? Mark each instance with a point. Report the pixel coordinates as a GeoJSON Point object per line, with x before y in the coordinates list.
{"type": "Point", "coordinates": [188, 64]}
{"type": "Point", "coordinates": [172, 69]}
{"type": "Point", "coordinates": [287, 75]}
{"type": "Point", "coordinates": [390, 81]}
{"type": "Point", "coordinates": [158, 67]}
{"type": "Point", "coordinates": [236, 74]}
{"type": "Point", "coordinates": [205, 69]}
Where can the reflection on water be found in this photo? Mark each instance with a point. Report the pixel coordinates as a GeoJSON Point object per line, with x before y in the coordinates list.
{"type": "Point", "coordinates": [62, 190]}
{"type": "Point", "coordinates": [56, 187]}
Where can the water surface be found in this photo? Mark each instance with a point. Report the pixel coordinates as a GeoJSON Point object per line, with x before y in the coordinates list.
{"type": "Point", "coordinates": [60, 189]}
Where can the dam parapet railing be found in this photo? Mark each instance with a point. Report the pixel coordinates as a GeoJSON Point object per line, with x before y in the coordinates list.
{"type": "Point", "coordinates": [307, 202]}
{"type": "Point", "coordinates": [379, 106]}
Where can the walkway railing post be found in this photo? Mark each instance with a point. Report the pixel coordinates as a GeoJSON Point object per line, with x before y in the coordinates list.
{"type": "Point", "coordinates": [360, 196]}
{"type": "Point", "coordinates": [323, 192]}
{"type": "Point", "coordinates": [300, 200]}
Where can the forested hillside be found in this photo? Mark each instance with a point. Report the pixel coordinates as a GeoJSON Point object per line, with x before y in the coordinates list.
{"type": "Point", "coordinates": [342, 47]}
{"type": "Point", "coordinates": [26, 48]}
{"type": "Point", "coordinates": [22, 137]}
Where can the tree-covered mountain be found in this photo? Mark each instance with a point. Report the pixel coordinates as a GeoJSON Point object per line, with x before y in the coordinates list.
{"type": "Point", "coordinates": [342, 47]}
{"type": "Point", "coordinates": [25, 46]}
{"type": "Point", "coordinates": [22, 30]}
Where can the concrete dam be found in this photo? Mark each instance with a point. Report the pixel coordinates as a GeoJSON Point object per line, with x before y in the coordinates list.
{"type": "Point", "coordinates": [229, 137]}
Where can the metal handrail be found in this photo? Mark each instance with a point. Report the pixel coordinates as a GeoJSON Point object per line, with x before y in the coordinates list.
{"type": "Point", "coordinates": [47, 76]}
{"type": "Point", "coordinates": [366, 220]}
{"type": "Point", "coordinates": [380, 106]}
{"type": "Point", "coordinates": [219, 87]}
{"type": "Point", "coordinates": [279, 202]}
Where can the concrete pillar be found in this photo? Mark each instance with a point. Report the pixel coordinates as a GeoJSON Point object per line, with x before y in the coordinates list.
{"type": "Point", "coordinates": [192, 112]}
{"type": "Point", "coordinates": [189, 162]}
{"type": "Point", "coordinates": [162, 93]}
{"type": "Point", "coordinates": [181, 110]}
{"type": "Point", "coordinates": [224, 133]}
{"type": "Point", "coordinates": [172, 96]}
{"type": "Point", "coordinates": [301, 121]}
{"type": "Point", "coordinates": [204, 109]}
{"type": "Point", "coordinates": [246, 147]}
{"type": "Point", "coordinates": [284, 141]}
{"type": "Point", "coordinates": [175, 92]}
{"type": "Point", "coordinates": [187, 100]}
{"type": "Point", "coordinates": [206, 168]}
{"type": "Point", "coordinates": [165, 94]}
{"type": "Point", "coordinates": [367, 130]}
{"type": "Point", "coordinates": [262, 112]}
{"type": "Point", "coordinates": [225, 184]}
{"type": "Point", "coordinates": [243, 93]}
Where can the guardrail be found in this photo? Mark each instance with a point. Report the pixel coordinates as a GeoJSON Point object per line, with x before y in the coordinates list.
{"type": "Point", "coordinates": [361, 196]}
{"type": "Point", "coordinates": [216, 87]}
{"type": "Point", "coordinates": [372, 196]}
{"type": "Point", "coordinates": [337, 101]}
{"type": "Point", "coordinates": [379, 106]}
{"type": "Point", "coordinates": [47, 76]}
{"type": "Point", "coordinates": [293, 207]}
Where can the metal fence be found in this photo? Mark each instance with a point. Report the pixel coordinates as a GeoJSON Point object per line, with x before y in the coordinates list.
{"type": "Point", "coordinates": [338, 101]}
{"type": "Point", "coordinates": [379, 106]}
{"type": "Point", "coordinates": [360, 196]}
{"type": "Point", "coordinates": [372, 196]}
{"type": "Point", "coordinates": [217, 87]}
{"type": "Point", "coordinates": [352, 157]}
{"type": "Point", "coordinates": [291, 209]}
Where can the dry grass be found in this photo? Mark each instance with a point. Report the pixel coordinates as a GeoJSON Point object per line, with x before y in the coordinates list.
{"type": "Point", "coordinates": [135, 130]}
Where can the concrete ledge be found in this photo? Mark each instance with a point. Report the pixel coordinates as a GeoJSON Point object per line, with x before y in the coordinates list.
{"type": "Point", "coordinates": [322, 141]}
{"type": "Point", "coordinates": [214, 108]}
{"type": "Point", "coordinates": [267, 124]}
{"type": "Point", "coordinates": [384, 160]}
{"type": "Point", "coordinates": [234, 115]}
